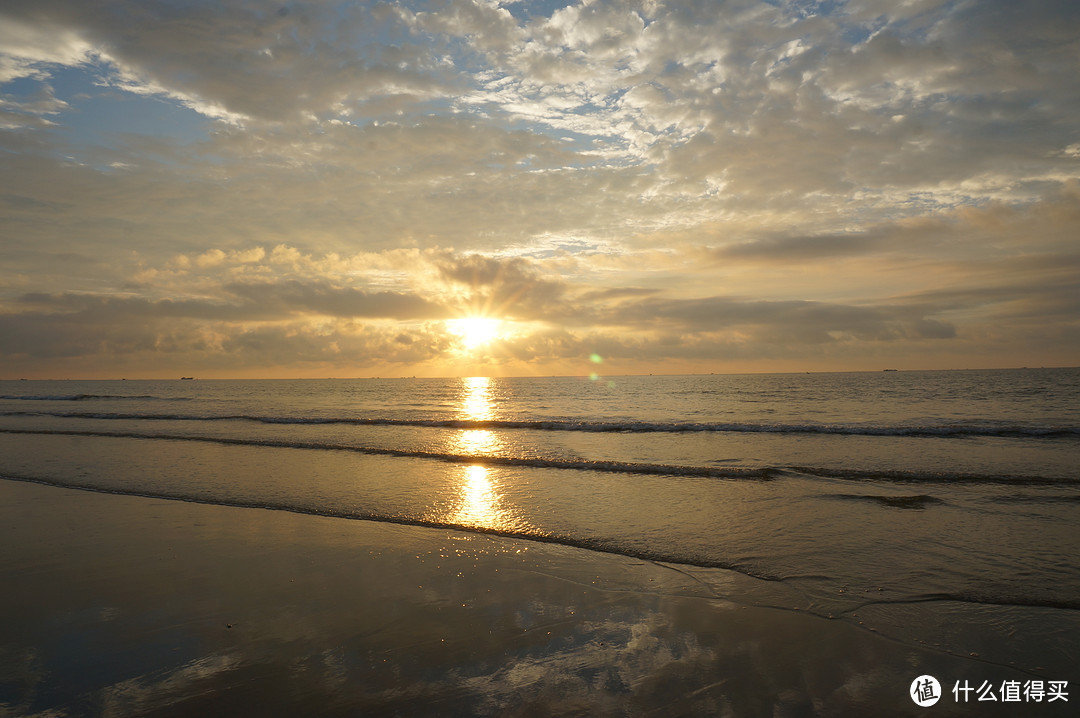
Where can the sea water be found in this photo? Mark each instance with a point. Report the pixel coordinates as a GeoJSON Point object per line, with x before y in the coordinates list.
{"type": "Point", "coordinates": [930, 506]}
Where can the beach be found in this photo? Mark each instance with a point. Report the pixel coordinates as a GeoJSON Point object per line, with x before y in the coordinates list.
{"type": "Point", "coordinates": [574, 358]}
{"type": "Point", "coordinates": [774, 545]}
{"type": "Point", "coordinates": [126, 605]}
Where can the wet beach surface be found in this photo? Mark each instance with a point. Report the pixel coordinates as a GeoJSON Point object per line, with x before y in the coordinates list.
{"type": "Point", "coordinates": [123, 605]}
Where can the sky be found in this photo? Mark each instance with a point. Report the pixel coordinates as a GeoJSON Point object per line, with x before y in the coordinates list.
{"type": "Point", "coordinates": [238, 188]}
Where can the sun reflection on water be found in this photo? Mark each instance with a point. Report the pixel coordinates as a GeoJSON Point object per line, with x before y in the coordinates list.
{"type": "Point", "coordinates": [479, 502]}
{"type": "Point", "coordinates": [477, 442]}
{"type": "Point", "coordinates": [476, 404]}
{"type": "Point", "coordinates": [476, 401]}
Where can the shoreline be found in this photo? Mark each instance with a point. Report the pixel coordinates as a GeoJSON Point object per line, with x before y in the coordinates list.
{"type": "Point", "coordinates": [125, 605]}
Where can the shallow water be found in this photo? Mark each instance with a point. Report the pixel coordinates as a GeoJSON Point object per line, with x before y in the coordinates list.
{"type": "Point", "coordinates": [876, 497]}
{"type": "Point", "coordinates": [130, 606]}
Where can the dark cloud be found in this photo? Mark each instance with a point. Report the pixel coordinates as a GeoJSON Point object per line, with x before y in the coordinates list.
{"type": "Point", "coordinates": [794, 322]}
{"type": "Point", "coordinates": [788, 249]}
{"type": "Point", "coordinates": [1045, 298]}
{"type": "Point", "coordinates": [289, 345]}
{"type": "Point", "coordinates": [100, 310]}
{"type": "Point", "coordinates": [615, 293]}
{"type": "Point", "coordinates": [506, 287]}
{"type": "Point", "coordinates": [37, 336]}
{"type": "Point", "coordinates": [33, 340]}
{"type": "Point", "coordinates": [293, 297]}
{"type": "Point", "coordinates": [246, 302]}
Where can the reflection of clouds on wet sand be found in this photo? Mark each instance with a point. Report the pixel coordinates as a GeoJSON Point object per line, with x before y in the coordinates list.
{"type": "Point", "coordinates": [339, 617]}
{"type": "Point", "coordinates": [569, 652]}
{"type": "Point", "coordinates": [139, 696]}
{"type": "Point", "coordinates": [606, 661]}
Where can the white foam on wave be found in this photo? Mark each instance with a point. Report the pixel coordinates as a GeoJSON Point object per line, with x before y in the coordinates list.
{"type": "Point", "coordinates": [958, 430]}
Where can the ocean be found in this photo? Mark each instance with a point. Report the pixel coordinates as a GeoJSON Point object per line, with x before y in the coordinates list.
{"type": "Point", "coordinates": [934, 508]}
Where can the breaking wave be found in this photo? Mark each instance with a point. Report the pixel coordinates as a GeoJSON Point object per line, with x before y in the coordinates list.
{"type": "Point", "coordinates": [607, 466]}
{"type": "Point", "coordinates": [92, 397]}
{"type": "Point", "coordinates": [597, 544]}
{"type": "Point", "coordinates": [959, 430]}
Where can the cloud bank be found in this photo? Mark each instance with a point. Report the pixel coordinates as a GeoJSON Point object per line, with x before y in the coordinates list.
{"type": "Point", "coordinates": [315, 188]}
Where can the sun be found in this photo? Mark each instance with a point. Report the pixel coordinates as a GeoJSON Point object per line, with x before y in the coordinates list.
{"type": "Point", "coordinates": [475, 331]}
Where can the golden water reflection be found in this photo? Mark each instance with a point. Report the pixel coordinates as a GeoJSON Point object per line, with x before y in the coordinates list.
{"type": "Point", "coordinates": [476, 401]}
{"type": "Point", "coordinates": [477, 442]}
{"type": "Point", "coordinates": [478, 502]}
{"type": "Point", "coordinates": [476, 404]}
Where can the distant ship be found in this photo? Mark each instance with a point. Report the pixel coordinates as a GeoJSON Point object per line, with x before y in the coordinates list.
{"type": "Point", "coordinates": [888, 370]}
{"type": "Point", "coordinates": [186, 378]}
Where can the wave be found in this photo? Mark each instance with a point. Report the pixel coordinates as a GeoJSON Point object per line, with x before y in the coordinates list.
{"type": "Point", "coordinates": [626, 427]}
{"type": "Point", "coordinates": [917, 502]}
{"type": "Point", "coordinates": [622, 467]}
{"type": "Point", "coordinates": [1035, 498]}
{"type": "Point", "coordinates": [977, 599]}
{"type": "Point", "coordinates": [599, 545]}
{"type": "Point", "coordinates": [92, 397]}
{"type": "Point", "coordinates": [607, 466]}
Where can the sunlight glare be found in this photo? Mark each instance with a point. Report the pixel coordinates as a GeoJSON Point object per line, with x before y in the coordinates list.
{"type": "Point", "coordinates": [479, 502]}
{"type": "Point", "coordinates": [477, 442]}
{"type": "Point", "coordinates": [475, 331]}
{"type": "Point", "coordinates": [476, 403]}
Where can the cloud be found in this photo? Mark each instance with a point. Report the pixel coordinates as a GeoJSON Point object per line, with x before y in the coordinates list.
{"type": "Point", "coordinates": [168, 338]}
{"type": "Point", "coordinates": [965, 280]}
{"type": "Point", "coordinates": [29, 38]}
{"type": "Point", "coordinates": [490, 28]}
{"type": "Point", "coordinates": [234, 61]}
{"type": "Point", "coordinates": [504, 287]}
{"type": "Point", "coordinates": [733, 112]}
{"type": "Point", "coordinates": [243, 301]}
{"type": "Point", "coordinates": [793, 322]}
{"type": "Point", "coordinates": [788, 248]}
{"type": "Point", "coordinates": [663, 179]}
{"type": "Point", "coordinates": [32, 111]}
{"type": "Point", "coordinates": [293, 296]}
{"type": "Point", "coordinates": [334, 345]}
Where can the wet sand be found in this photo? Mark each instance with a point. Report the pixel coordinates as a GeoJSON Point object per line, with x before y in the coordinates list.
{"type": "Point", "coordinates": [120, 606]}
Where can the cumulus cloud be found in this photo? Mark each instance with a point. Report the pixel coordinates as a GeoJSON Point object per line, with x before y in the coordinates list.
{"type": "Point", "coordinates": [672, 181]}
{"type": "Point", "coordinates": [234, 61]}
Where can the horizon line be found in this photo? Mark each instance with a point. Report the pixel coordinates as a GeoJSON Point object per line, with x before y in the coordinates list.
{"type": "Point", "coordinates": [587, 377]}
